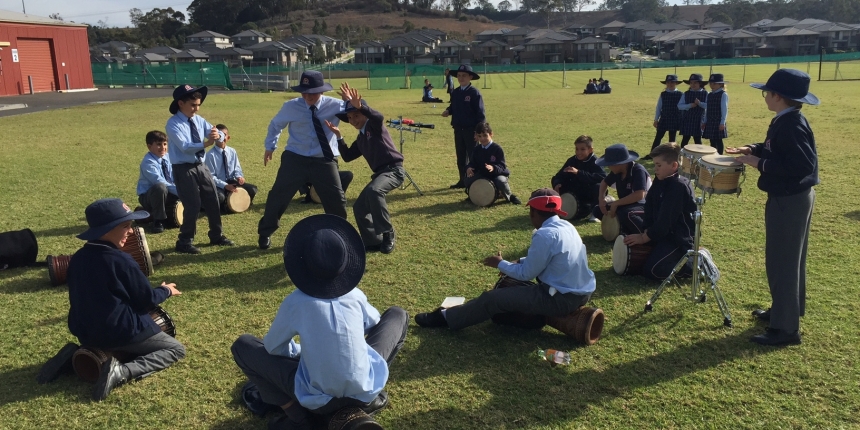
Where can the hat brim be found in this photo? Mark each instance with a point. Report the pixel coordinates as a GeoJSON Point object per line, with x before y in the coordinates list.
{"type": "Point", "coordinates": [602, 162]}
{"type": "Point", "coordinates": [693, 80]}
{"type": "Point", "coordinates": [809, 98]}
{"type": "Point", "coordinates": [94, 233]}
{"type": "Point", "coordinates": [342, 116]}
{"type": "Point", "coordinates": [174, 106]}
{"type": "Point", "coordinates": [664, 82]}
{"type": "Point", "coordinates": [312, 90]}
{"type": "Point", "coordinates": [296, 245]}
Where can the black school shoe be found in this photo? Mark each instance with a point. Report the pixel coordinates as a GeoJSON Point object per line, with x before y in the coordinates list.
{"type": "Point", "coordinates": [222, 241]}
{"type": "Point", "coordinates": [377, 404]}
{"type": "Point", "coordinates": [762, 315]}
{"type": "Point", "coordinates": [433, 319]}
{"type": "Point", "coordinates": [112, 375]}
{"type": "Point", "coordinates": [387, 245]}
{"type": "Point", "coordinates": [352, 418]}
{"type": "Point", "coordinates": [186, 248]}
{"type": "Point", "coordinates": [514, 200]}
{"type": "Point", "coordinates": [57, 365]}
{"type": "Point", "coordinates": [457, 185]}
{"type": "Point", "coordinates": [264, 242]}
{"type": "Point", "coordinates": [776, 337]}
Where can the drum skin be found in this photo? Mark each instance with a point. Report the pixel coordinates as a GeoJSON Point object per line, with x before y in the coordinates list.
{"type": "Point", "coordinates": [239, 201]}
{"type": "Point", "coordinates": [482, 192]}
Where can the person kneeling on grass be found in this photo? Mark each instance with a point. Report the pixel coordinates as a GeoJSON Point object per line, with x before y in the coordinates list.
{"type": "Point", "coordinates": [109, 303]}
{"type": "Point", "coordinates": [346, 346]}
{"type": "Point", "coordinates": [556, 257]}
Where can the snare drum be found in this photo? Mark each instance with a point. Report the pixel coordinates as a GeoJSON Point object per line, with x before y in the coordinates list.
{"type": "Point", "coordinates": [574, 208]}
{"type": "Point", "coordinates": [690, 156]}
{"type": "Point", "coordinates": [585, 325]}
{"type": "Point", "coordinates": [628, 260]}
{"type": "Point", "coordinates": [136, 246]}
{"type": "Point", "coordinates": [517, 319]}
{"type": "Point", "coordinates": [175, 212]}
{"type": "Point", "coordinates": [720, 174]}
{"type": "Point", "coordinates": [239, 201]}
{"type": "Point", "coordinates": [610, 227]}
{"type": "Point", "coordinates": [482, 192]}
{"type": "Point", "coordinates": [58, 266]}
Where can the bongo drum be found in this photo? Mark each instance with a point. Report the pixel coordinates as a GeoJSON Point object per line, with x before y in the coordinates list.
{"type": "Point", "coordinates": [238, 201]}
{"type": "Point", "coordinates": [628, 260]}
{"type": "Point", "coordinates": [610, 227]}
{"type": "Point", "coordinates": [517, 319]}
{"type": "Point", "coordinates": [720, 174]}
{"type": "Point", "coordinates": [690, 156]}
{"type": "Point", "coordinates": [87, 363]}
{"type": "Point", "coordinates": [58, 266]}
{"type": "Point", "coordinates": [162, 318]}
{"type": "Point", "coordinates": [574, 208]}
{"type": "Point", "coordinates": [136, 246]}
{"type": "Point", "coordinates": [314, 196]}
{"type": "Point", "coordinates": [482, 192]}
{"type": "Point", "coordinates": [585, 324]}
{"type": "Point", "coordinates": [175, 212]}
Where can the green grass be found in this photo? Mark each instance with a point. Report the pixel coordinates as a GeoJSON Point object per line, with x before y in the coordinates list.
{"type": "Point", "coordinates": [676, 367]}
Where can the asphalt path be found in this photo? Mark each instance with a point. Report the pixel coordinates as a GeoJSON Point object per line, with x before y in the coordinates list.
{"type": "Point", "coordinates": [52, 100]}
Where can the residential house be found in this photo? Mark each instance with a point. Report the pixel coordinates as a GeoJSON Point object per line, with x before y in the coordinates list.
{"type": "Point", "coordinates": [517, 36]}
{"type": "Point", "coordinates": [432, 38]}
{"type": "Point", "coordinates": [492, 34]}
{"type": "Point", "coordinates": [741, 43]}
{"type": "Point", "coordinates": [692, 25]}
{"type": "Point", "coordinates": [165, 51]}
{"type": "Point", "coordinates": [810, 22]}
{"type": "Point", "coordinates": [628, 32]}
{"type": "Point", "coordinates": [684, 44]}
{"type": "Point", "coordinates": [370, 52]}
{"type": "Point", "coordinates": [834, 36]}
{"type": "Point", "coordinates": [248, 38]}
{"type": "Point", "coordinates": [279, 53]}
{"type": "Point", "coordinates": [332, 46]}
{"type": "Point", "coordinates": [591, 50]}
{"type": "Point", "coordinates": [718, 27]}
{"type": "Point", "coordinates": [117, 49]}
{"type": "Point", "coordinates": [232, 56]}
{"type": "Point", "coordinates": [207, 39]}
{"type": "Point", "coordinates": [405, 49]}
{"type": "Point", "coordinates": [149, 58]}
{"type": "Point", "coordinates": [645, 33]}
{"type": "Point", "coordinates": [793, 41]}
{"type": "Point", "coordinates": [438, 34]}
{"type": "Point", "coordinates": [453, 52]}
{"type": "Point", "coordinates": [546, 46]}
{"type": "Point", "coordinates": [781, 23]}
{"type": "Point", "coordinates": [492, 52]}
{"type": "Point", "coordinates": [581, 30]}
{"type": "Point", "coordinates": [191, 56]}
{"type": "Point", "coordinates": [611, 30]}
{"type": "Point", "coordinates": [759, 26]}
{"type": "Point", "coordinates": [428, 58]}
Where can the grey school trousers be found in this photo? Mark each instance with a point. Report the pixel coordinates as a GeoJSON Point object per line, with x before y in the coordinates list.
{"type": "Point", "coordinates": [275, 374]}
{"type": "Point", "coordinates": [787, 220]}
{"type": "Point", "coordinates": [196, 188]}
{"type": "Point", "coordinates": [371, 209]}
{"type": "Point", "coordinates": [296, 171]}
{"type": "Point", "coordinates": [531, 300]}
{"type": "Point", "coordinates": [155, 200]}
{"type": "Point", "coordinates": [155, 353]}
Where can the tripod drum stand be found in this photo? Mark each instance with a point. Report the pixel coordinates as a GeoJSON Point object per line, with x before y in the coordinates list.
{"type": "Point", "coordinates": [703, 273]}
{"type": "Point", "coordinates": [399, 125]}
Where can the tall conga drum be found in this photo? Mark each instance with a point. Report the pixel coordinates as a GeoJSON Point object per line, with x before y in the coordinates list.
{"type": "Point", "coordinates": [585, 324]}
{"type": "Point", "coordinates": [482, 192]}
{"type": "Point", "coordinates": [720, 174]}
{"type": "Point", "coordinates": [238, 201]}
{"type": "Point", "coordinates": [136, 246]}
{"type": "Point", "coordinates": [690, 156]}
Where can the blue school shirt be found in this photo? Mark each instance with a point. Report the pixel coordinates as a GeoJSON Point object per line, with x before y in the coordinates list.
{"type": "Point", "coordinates": [215, 162]}
{"type": "Point", "coordinates": [334, 358]}
{"type": "Point", "coordinates": [302, 140]}
{"type": "Point", "coordinates": [151, 174]}
{"type": "Point", "coordinates": [179, 145]}
{"type": "Point", "coordinates": [556, 256]}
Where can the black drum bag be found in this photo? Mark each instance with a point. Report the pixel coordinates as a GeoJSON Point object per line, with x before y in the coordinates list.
{"type": "Point", "coordinates": [18, 248]}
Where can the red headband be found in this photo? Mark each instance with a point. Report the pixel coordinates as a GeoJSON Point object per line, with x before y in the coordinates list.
{"type": "Point", "coordinates": [547, 204]}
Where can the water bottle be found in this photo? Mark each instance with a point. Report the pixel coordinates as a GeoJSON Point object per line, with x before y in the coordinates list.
{"type": "Point", "coordinates": [554, 356]}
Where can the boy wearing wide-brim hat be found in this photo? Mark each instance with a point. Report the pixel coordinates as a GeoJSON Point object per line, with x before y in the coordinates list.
{"type": "Point", "coordinates": [109, 303]}
{"type": "Point", "coordinates": [788, 165]}
{"type": "Point", "coordinates": [631, 181]}
{"type": "Point", "coordinates": [188, 135]}
{"type": "Point", "coordinates": [466, 111]}
{"type": "Point", "coordinates": [716, 110]}
{"type": "Point", "coordinates": [667, 117]}
{"type": "Point", "coordinates": [310, 155]}
{"type": "Point", "coordinates": [691, 107]}
{"type": "Point", "coordinates": [346, 345]}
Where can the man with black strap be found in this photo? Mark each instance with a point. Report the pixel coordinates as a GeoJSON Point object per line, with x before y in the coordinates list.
{"type": "Point", "coordinates": [310, 155]}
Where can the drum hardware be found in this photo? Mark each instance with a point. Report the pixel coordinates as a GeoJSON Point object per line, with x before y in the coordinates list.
{"type": "Point", "coordinates": [399, 125]}
{"type": "Point", "coordinates": [701, 275]}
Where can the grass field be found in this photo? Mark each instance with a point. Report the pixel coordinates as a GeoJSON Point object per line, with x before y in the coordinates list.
{"type": "Point", "coordinates": [676, 367]}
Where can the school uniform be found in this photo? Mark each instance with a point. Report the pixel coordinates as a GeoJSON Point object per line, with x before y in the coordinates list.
{"type": "Point", "coordinates": [585, 184]}
{"type": "Point", "coordinates": [691, 115]}
{"type": "Point", "coordinates": [716, 110]}
{"type": "Point", "coordinates": [428, 95]}
{"type": "Point", "coordinates": [604, 88]}
{"type": "Point", "coordinates": [667, 116]}
{"type": "Point", "coordinates": [374, 143]}
{"type": "Point", "coordinates": [467, 110]}
{"type": "Point", "coordinates": [492, 155]}
{"type": "Point", "coordinates": [629, 216]}
{"type": "Point", "coordinates": [668, 221]}
{"type": "Point", "coordinates": [192, 178]}
{"type": "Point", "coordinates": [155, 187]}
{"type": "Point", "coordinates": [591, 88]}
{"type": "Point", "coordinates": [789, 169]}
{"type": "Point", "coordinates": [225, 168]}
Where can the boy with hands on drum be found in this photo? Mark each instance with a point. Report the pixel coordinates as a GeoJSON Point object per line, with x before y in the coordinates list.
{"type": "Point", "coordinates": [631, 181]}
{"type": "Point", "coordinates": [788, 163]}
{"type": "Point", "coordinates": [580, 176]}
{"type": "Point", "coordinates": [667, 221]}
{"type": "Point", "coordinates": [488, 162]}
{"type": "Point", "coordinates": [223, 162]}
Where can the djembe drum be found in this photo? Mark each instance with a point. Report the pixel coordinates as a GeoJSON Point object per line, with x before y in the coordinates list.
{"type": "Point", "coordinates": [135, 245]}
{"type": "Point", "coordinates": [629, 259]}
{"type": "Point", "coordinates": [239, 201]}
{"type": "Point", "coordinates": [483, 192]}
{"type": "Point", "coordinates": [585, 324]}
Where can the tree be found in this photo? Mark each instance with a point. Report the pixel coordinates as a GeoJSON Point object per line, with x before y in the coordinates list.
{"type": "Point", "coordinates": [295, 28]}
{"type": "Point", "coordinates": [486, 6]}
{"type": "Point", "coordinates": [460, 5]}
{"type": "Point", "coordinates": [408, 26]}
{"type": "Point", "coordinates": [317, 27]}
{"type": "Point", "coordinates": [56, 16]}
{"type": "Point", "coordinates": [324, 28]}
{"type": "Point", "coordinates": [157, 25]}
{"type": "Point", "coordinates": [423, 4]}
{"type": "Point", "coordinates": [505, 5]}
{"type": "Point", "coordinates": [676, 13]}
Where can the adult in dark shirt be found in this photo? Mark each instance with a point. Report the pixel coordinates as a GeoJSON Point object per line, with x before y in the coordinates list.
{"type": "Point", "coordinates": [788, 164]}
{"type": "Point", "coordinates": [466, 111]}
{"type": "Point", "coordinates": [667, 222]}
{"type": "Point", "coordinates": [386, 162]}
{"type": "Point", "coordinates": [631, 181]}
{"type": "Point", "coordinates": [110, 299]}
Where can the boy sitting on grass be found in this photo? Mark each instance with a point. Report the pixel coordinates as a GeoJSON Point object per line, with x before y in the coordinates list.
{"type": "Point", "coordinates": [580, 176]}
{"type": "Point", "coordinates": [488, 162]}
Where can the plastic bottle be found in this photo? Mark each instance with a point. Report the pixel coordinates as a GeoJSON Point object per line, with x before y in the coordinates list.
{"type": "Point", "coordinates": [554, 356]}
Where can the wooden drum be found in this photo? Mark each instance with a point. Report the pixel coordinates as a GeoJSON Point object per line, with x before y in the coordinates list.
{"type": "Point", "coordinates": [610, 227]}
{"type": "Point", "coordinates": [575, 209]}
{"type": "Point", "coordinates": [628, 260]}
{"type": "Point", "coordinates": [585, 325]}
{"type": "Point", "coordinates": [239, 201]}
{"type": "Point", "coordinates": [720, 174]}
{"type": "Point", "coordinates": [690, 156]}
{"type": "Point", "coordinates": [482, 192]}
{"type": "Point", "coordinates": [58, 267]}
{"type": "Point", "coordinates": [136, 246]}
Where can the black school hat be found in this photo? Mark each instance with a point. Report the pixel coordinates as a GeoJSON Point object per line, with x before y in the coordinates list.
{"type": "Point", "coordinates": [791, 84]}
{"type": "Point", "coordinates": [616, 154]}
{"type": "Point", "coordinates": [670, 78]}
{"type": "Point", "coordinates": [696, 77]}
{"type": "Point", "coordinates": [717, 78]}
{"type": "Point", "coordinates": [468, 69]}
{"type": "Point", "coordinates": [312, 82]}
{"type": "Point", "coordinates": [184, 90]}
{"type": "Point", "coordinates": [349, 108]}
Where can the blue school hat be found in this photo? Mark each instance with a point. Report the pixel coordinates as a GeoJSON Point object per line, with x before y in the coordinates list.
{"type": "Point", "coordinates": [324, 256]}
{"type": "Point", "coordinates": [184, 90]}
{"type": "Point", "coordinates": [616, 154]}
{"type": "Point", "coordinates": [716, 78]}
{"type": "Point", "coordinates": [696, 77]}
{"type": "Point", "coordinates": [349, 108]}
{"type": "Point", "coordinates": [791, 84]}
{"type": "Point", "coordinates": [312, 82]}
{"type": "Point", "coordinates": [670, 78]}
{"type": "Point", "coordinates": [468, 69]}
{"type": "Point", "coordinates": [105, 214]}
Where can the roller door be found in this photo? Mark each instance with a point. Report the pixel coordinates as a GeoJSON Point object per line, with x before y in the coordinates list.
{"type": "Point", "coordinates": [36, 61]}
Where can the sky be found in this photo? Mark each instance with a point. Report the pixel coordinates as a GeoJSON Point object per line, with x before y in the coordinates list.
{"type": "Point", "coordinates": [113, 12]}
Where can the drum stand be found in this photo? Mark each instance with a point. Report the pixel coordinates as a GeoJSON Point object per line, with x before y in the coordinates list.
{"type": "Point", "coordinates": [415, 132]}
{"type": "Point", "coordinates": [700, 276]}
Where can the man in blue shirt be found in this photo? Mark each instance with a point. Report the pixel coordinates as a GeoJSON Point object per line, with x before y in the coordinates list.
{"type": "Point", "coordinates": [556, 257]}
{"type": "Point", "coordinates": [155, 188]}
{"type": "Point", "coordinates": [186, 132]}
{"type": "Point", "coordinates": [346, 345]}
{"type": "Point", "coordinates": [227, 174]}
{"type": "Point", "coordinates": [310, 155]}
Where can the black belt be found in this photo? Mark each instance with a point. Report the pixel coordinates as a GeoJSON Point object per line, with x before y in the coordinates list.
{"type": "Point", "coordinates": [189, 164]}
{"type": "Point", "coordinates": [388, 167]}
